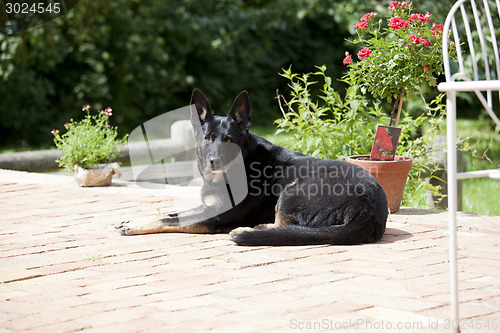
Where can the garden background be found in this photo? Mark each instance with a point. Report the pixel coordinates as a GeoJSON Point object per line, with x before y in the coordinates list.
{"type": "Point", "coordinates": [143, 58]}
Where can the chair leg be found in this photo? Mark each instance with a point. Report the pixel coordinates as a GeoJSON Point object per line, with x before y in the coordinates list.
{"type": "Point", "coordinates": [452, 206]}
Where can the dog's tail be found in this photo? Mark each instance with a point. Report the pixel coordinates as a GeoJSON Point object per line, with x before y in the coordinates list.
{"type": "Point", "coordinates": [345, 234]}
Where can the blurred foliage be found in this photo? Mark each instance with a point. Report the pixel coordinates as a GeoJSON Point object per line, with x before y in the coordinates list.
{"type": "Point", "coordinates": [143, 58]}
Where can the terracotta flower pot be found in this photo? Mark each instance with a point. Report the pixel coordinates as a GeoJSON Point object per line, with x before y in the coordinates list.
{"type": "Point", "coordinates": [391, 175]}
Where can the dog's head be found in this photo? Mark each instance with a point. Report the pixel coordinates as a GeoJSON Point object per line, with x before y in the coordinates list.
{"type": "Point", "coordinates": [219, 140]}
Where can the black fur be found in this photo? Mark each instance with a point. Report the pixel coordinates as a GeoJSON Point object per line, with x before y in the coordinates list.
{"type": "Point", "coordinates": [318, 201]}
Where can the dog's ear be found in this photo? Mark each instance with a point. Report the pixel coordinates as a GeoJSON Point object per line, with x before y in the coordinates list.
{"type": "Point", "coordinates": [202, 106]}
{"type": "Point", "coordinates": [240, 111]}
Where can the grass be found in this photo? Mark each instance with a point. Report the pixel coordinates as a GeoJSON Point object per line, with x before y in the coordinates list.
{"type": "Point", "coordinates": [269, 133]}
{"type": "Point", "coordinates": [480, 195]}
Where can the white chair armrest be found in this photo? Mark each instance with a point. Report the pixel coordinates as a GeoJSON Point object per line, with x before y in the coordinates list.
{"type": "Point", "coordinates": [495, 174]}
{"type": "Point", "coordinates": [485, 85]}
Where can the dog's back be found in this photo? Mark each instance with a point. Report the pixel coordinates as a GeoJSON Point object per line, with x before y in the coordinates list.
{"type": "Point", "coordinates": [317, 201]}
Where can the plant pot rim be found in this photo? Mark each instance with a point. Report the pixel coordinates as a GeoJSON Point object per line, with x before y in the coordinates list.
{"type": "Point", "coordinates": [397, 159]}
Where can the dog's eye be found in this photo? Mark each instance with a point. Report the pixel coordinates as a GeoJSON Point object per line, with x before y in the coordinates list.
{"type": "Point", "coordinates": [208, 137]}
{"type": "Point", "coordinates": [228, 139]}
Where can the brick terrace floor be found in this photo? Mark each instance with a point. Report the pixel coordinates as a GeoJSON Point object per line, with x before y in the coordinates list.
{"type": "Point", "coordinates": [64, 268]}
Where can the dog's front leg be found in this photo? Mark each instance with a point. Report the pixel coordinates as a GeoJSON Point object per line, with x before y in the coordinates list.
{"type": "Point", "coordinates": [174, 218]}
{"type": "Point", "coordinates": [141, 226]}
{"type": "Point", "coordinates": [196, 220]}
{"type": "Point", "coordinates": [151, 226]}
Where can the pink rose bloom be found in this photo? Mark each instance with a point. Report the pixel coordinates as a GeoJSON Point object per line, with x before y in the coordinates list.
{"type": "Point", "coordinates": [368, 16]}
{"type": "Point", "coordinates": [426, 68]}
{"type": "Point", "coordinates": [398, 23]}
{"type": "Point", "coordinates": [437, 29]}
{"type": "Point", "coordinates": [420, 17]}
{"type": "Point", "coordinates": [413, 18]}
{"type": "Point", "coordinates": [347, 60]}
{"type": "Point", "coordinates": [361, 25]}
{"type": "Point", "coordinates": [423, 41]}
{"type": "Point", "coordinates": [419, 41]}
{"type": "Point", "coordinates": [393, 5]}
{"type": "Point", "coordinates": [424, 18]}
{"type": "Point", "coordinates": [397, 4]}
{"type": "Point", "coordinates": [364, 53]}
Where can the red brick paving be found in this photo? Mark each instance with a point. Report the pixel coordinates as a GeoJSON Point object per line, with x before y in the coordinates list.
{"type": "Point", "coordinates": [64, 269]}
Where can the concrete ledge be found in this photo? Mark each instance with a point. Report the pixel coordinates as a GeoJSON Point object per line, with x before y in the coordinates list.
{"type": "Point", "coordinates": [45, 160]}
{"type": "Point", "coordinates": [180, 144]}
{"type": "Point", "coordinates": [40, 160]}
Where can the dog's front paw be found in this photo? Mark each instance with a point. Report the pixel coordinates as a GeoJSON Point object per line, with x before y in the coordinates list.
{"type": "Point", "coordinates": [141, 226]}
{"type": "Point", "coordinates": [123, 228]}
{"type": "Point", "coordinates": [238, 231]}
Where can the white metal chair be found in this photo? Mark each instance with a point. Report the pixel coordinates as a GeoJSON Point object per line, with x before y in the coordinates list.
{"type": "Point", "coordinates": [475, 68]}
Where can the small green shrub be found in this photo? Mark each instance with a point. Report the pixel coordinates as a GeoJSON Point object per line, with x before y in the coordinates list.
{"type": "Point", "coordinates": [329, 125]}
{"type": "Point", "coordinates": [88, 142]}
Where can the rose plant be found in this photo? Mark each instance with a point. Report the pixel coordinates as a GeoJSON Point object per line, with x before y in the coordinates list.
{"type": "Point", "coordinates": [398, 56]}
{"type": "Point", "coordinates": [397, 59]}
{"type": "Point", "coordinates": [88, 142]}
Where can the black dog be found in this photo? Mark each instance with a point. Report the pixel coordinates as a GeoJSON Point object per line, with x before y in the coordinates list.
{"type": "Point", "coordinates": [310, 200]}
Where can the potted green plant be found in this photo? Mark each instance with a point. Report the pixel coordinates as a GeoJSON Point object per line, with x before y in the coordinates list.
{"type": "Point", "coordinates": [88, 146]}
{"type": "Point", "coordinates": [397, 59]}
